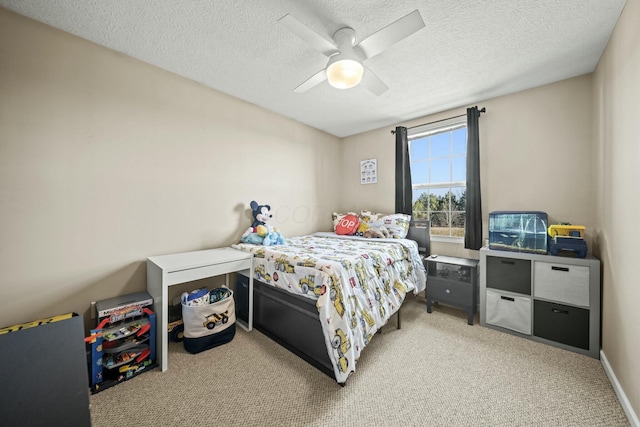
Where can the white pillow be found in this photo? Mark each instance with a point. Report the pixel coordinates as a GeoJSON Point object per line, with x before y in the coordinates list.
{"type": "Point", "coordinates": [368, 216]}
{"type": "Point", "coordinates": [397, 224]}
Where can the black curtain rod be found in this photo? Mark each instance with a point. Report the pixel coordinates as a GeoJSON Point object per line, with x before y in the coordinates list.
{"type": "Point", "coordinates": [482, 110]}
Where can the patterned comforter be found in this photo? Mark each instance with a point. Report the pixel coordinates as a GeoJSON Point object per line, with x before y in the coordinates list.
{"type": "Point", "coordinates": [357, 283]}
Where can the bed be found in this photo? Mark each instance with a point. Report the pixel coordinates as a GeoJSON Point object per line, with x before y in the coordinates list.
{"type": "Point", "coordinates": [324, 296]}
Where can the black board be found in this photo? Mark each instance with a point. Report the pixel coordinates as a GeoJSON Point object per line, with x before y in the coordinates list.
{"type": "Point", "coordinates": [44, 376]}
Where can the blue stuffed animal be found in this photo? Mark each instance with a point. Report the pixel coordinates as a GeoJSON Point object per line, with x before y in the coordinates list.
{"type": "Point", "coordinates": [260, 232]}
{"type": "Point", "coordinates": [274, 238]}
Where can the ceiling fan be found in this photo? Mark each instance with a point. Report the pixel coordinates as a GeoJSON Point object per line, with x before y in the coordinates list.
{"type": "Point", "coordinates": [346, 55]}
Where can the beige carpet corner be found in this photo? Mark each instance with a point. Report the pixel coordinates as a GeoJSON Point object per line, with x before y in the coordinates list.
{"type": "Point", "coordinates": [435, 371]}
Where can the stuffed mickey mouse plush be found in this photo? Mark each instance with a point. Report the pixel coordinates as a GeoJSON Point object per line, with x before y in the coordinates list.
{"type": "Point", "coordinates": [260, 231]}
{"type": "Point", "coordinates": [261, 214]}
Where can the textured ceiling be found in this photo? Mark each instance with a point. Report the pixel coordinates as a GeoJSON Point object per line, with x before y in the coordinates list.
{"type": "Point", "coordinates": [468, 51]}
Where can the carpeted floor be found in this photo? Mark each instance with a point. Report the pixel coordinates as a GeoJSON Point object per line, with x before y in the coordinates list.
{"type": "Point", "coordinates": [435, 371]}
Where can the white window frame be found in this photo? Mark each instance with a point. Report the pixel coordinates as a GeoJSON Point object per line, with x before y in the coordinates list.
{"type": "Point", "coordinates": [431, 129]}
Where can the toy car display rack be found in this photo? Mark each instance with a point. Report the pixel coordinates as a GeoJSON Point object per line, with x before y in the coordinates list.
{"type": "Point", "coordinates": [123, 345]}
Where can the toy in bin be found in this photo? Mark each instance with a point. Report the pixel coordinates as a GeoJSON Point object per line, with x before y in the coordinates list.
{"type": "Point", "coordinates": [175, 327]}
{"type": "Point", "coordinates": [209, 318]}
{"type": "Point", "coordinates": [567, 238]}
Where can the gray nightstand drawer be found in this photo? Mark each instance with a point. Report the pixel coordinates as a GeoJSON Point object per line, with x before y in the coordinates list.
{"type": "Point", "coordinates": [452, 292]}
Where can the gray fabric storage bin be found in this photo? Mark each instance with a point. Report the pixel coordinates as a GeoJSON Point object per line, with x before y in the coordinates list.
{"type": "Point", "coordinates": [509, 311]}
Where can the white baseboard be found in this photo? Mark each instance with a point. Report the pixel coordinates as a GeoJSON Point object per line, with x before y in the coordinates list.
{"type": "Point", "coordinates": [626, 406]}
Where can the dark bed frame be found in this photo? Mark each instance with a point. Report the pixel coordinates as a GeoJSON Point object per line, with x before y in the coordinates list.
{"type": "Point", "coordinates": [292, 320]}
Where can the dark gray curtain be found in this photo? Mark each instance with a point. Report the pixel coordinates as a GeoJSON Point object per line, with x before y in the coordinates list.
{"type": "Point", "coordinates": [473, 210]}
{"type": "Point", "coordinates": [403, 173]}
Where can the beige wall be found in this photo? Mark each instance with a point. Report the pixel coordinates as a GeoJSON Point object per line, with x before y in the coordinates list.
{"type": "Point", "coordinates": [535, 154]}
{"type": "Point", "coordinates": [570, 149]}
{"type": "Point", "coordinates": [615, 181]}
{"type": "Point", "coordinates": [105, 160]}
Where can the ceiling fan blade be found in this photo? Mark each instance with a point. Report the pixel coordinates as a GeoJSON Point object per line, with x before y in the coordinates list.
{"type": "Point", "coordinates": [373, 82]}
{"type": "Point", "coordinates": [312, 81]}
{"type": "Point", "coordinates": [315, 40]}
{"type": "Point", "coordinates": [390, 35]}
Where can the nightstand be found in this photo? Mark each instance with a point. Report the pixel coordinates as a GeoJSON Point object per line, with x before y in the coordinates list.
{"type": "Point", "coordinates": [452, 281]}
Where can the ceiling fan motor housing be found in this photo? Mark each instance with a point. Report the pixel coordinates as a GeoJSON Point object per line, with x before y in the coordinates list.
{"type": "Point", "coordinates": [346, 55]}
{"type": "Point", "coordinates": [344, 69]}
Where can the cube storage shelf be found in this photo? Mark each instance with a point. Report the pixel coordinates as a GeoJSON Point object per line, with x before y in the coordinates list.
{"type": "Point", "coordinates": [550, 299]}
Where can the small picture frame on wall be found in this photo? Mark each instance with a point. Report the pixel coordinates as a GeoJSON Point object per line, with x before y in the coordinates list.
{"type": "Point", "coordinates": [369, 171]}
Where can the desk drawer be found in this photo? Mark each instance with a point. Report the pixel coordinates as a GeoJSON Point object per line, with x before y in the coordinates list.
{"type": "Point", "coordinates": [188, 275]}
{"type": "Point", "coordinates": [561, 282]}
{"type": "Point", "coordinates": [451, 292]}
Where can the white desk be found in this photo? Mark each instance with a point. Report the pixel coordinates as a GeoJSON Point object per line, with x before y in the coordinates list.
{"type": "Point", "coordinates": [168, 270]}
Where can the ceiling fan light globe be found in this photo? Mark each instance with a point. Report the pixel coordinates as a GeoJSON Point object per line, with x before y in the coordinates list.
{"type": "Point", "coordinates": [345, 74]}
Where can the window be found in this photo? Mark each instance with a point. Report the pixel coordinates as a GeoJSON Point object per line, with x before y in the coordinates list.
{"type": "Point", "coordinates": [438, 156]}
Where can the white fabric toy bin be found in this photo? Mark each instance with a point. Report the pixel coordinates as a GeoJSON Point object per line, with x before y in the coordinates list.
{"type": "Point", "coordinates": [208, 325]}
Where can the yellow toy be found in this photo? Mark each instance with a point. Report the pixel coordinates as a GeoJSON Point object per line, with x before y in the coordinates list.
{"type": "Point", "coordinates": [362, 228]}
{"type": "Point", "coordinates": [567, 238]}
{"type": "Point", "coordinates": [566, 230]}
{"type": "Point", "coordinates": [262, 231]}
